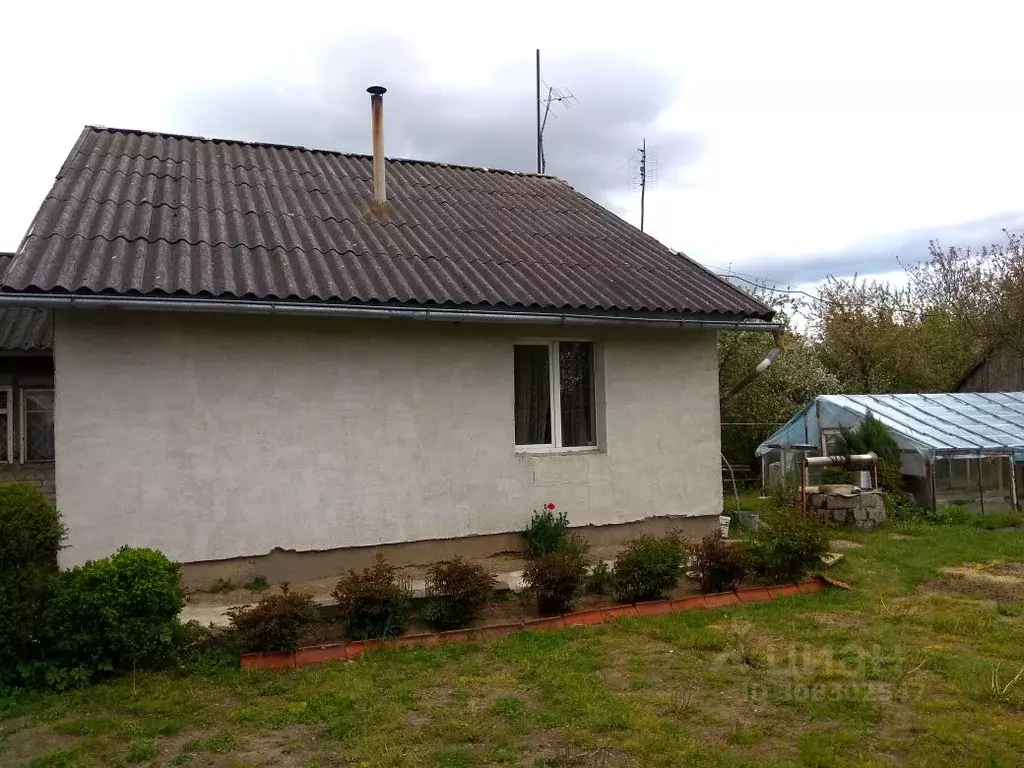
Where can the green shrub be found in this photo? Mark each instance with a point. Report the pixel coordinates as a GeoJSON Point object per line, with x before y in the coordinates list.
{"type": "Point", "coordinates": [206, 649]}
{"type": "Point", "coordinates": [836, 476]}
{"type": "Point", "coordinates": [276, 623]}
{"type": "Point", "coordinates": [648, 567]}
{"type": "Point", "coordinates": [556, 578]}
{"type": "Point", "coordinates": [599, 582]}
{"type": "Point", "coordinates": [547, 532]}
{"type": "Point", "coordinates": [258, 584]}
{"type": "Point", "coordinates": [115, 614]}
{"type": "Point", "coordinates": [952, 514]}
{"type": "Point", "coordinates": [373, 603]}
{"type": "Point", "coordinates": [31, 534]}
{"type": "Point", "coordinates": [872, 436]}
{"type": "Point", "coordinates": [718, 565]}
{"type": "Point", "coordinates": [787, 546]}
{"type": "Point", "coordinates": [456, 590]}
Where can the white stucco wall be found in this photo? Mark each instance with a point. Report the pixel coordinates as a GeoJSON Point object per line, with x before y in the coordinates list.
{"type": "Point", "coordinates": [213, 436]}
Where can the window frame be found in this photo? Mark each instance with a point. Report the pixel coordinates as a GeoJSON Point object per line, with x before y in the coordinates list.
{"type": "Point", "coordinates": [9, 437]}
{"type": "Point", "coordinates": [555, 398]}
{"type": "Point", "coordinates": [23, 423]}
{"type": "Point", "coordinates": [825, 434]}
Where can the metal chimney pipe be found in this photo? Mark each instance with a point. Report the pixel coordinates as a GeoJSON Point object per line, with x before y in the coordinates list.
{"type": "Point", "coordinates": [380, 195]}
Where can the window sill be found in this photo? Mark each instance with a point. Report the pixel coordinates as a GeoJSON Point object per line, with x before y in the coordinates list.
{"type": "Point", "coordinates": [544, 450]}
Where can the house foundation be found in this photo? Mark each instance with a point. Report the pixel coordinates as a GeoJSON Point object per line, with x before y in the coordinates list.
{"type": "Point", "coordinates": [282, 565]}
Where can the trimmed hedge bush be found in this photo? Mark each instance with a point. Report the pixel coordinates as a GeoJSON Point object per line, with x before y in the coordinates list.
{"type": "Point", "coordinates": [648, 567]}
{"type": "Point", "coordinates": [373, 603]}
{"type": "Point", "coordinates": [718, 565]}
{"type": "Point", "coordinates": [556, 579]}
{"type": "Point", "coordinates": [276, 623]}
{"type": "Point", "coordinates": [113, 615]}
{"type": "Point", "coordinates": [31, 535]}
{"type": "Point", "coordinates": [456, 590]}
{"type": "Point", "coordinates": [787, 546]}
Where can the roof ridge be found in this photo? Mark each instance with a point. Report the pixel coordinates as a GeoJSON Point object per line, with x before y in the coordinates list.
{"type": "Point", "coordinates": [395, 184]}
{"type": "Point", "coordinates": [302, 148]}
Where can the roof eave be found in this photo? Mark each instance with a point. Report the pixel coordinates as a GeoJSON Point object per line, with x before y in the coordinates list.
{"type": "Point", "coordinates": [380, 311]}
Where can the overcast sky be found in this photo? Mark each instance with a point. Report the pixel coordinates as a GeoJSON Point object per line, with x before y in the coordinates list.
{"type": "Point", "coordinates": [794, 140]}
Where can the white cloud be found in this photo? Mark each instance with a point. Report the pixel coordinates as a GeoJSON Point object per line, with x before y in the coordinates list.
{"type": "Point", "coordinates": [823, 127]}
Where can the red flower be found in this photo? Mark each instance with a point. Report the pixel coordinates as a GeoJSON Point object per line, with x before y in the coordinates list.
{"type": "Point", "coordinates": [550, 506]}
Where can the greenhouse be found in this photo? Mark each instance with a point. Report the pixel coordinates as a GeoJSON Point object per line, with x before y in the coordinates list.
{"type": "Point", "coordinates": [956, 448]}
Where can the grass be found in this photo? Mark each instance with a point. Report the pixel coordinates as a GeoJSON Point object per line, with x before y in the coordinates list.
{"type": "Point", "coordinates": [897, 671]}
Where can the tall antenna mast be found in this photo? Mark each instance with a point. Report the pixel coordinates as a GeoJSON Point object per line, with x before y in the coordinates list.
{"type": "Point", "coordinates": [553, 96]}
{"type": "Point", "coordinates": [643, 173]}
{"type": "Point", "coordinates": [540, 150]}
{"type": "Point", "coordinates": [643, 180]}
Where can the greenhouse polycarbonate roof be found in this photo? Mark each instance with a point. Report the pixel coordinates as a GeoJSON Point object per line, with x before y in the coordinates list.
{"type": "Point", "coordinates": [967, 422]}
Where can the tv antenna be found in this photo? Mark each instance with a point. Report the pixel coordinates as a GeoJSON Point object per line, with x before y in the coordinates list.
{"type": "Point", "coordinates": [553, 95]}
{"type": "Point", "coordinates": [643, 173]}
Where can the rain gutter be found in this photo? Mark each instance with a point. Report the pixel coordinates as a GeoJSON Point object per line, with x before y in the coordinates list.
{"type": "Point", "coordinates": [435, 314]}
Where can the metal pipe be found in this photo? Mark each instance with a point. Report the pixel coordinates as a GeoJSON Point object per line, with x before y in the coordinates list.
{"type": "Point", "coordinates": [380, 195]}
{"type": "Point", "coordinates": [981, 488]}
{"type": "Point", "coordinates": [760, 368]}
{"type": "Point", "coordinates": [540, 151]}
{"type": "Point", "coordinates": [435, 314]}
{"type": "Point", "coordinates": [1013, 484]}
{"type": "Point", "coordinates": [856, 461]}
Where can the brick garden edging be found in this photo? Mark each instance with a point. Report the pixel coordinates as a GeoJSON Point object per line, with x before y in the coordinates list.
{"type": "Point", "coordinates": [317, 654]}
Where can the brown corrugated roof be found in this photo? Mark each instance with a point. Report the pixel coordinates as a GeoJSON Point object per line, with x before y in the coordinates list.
{"type": "Point", "coordinates": [149, 214]}
{"type": "Point", "coordinates": [24, 329]}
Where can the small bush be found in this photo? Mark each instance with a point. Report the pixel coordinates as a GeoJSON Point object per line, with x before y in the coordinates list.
{"type": "Point", "coordinates": [599, 582]}
{"type": "Point", "coordinates": [547, 532]}
{"type": "Point", "coordinates": [787, 546]}
{"type": "Point", "coordinates": [373, 603]}
{"type": "Point", "coordinates": [456, 589]}
{"type": "Point", "coordinates": [648, 567]}
{"type": "Point", "coordinates": [952, 514]}
{"type": "Point", "coordinates": [258, 584]}
{"type": "Point", "coordinates": [116, 614]}
{"type": "Point", "coordinates": [31, 534]}
{"type": "Point", "coordinates": [206, 649]}
{"type": "Point", "coordinates": [556, 578]}
{"type": "Point", "coordinates": [836, 476]}
{"type": "Point", "coordinates": [276, 623]}
{"type": "Point", "coordinates": [716, 564]}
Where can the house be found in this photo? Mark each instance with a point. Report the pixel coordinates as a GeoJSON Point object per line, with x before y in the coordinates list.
{"type": "Point", "coordinates": [271, 358]}
{"type": "Point", "coordinates": [26, 395]}
{"type": "Point", "coordinates": [965, 449]}
{"type": "Point", "coordinates": [1000, 369]}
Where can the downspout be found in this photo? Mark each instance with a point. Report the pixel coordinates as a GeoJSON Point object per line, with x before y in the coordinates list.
{"type": "Point", "coordinates": [760, 368]}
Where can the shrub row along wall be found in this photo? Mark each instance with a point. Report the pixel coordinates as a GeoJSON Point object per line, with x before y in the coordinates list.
{"type": "Point", "coordinates": [312, 655]}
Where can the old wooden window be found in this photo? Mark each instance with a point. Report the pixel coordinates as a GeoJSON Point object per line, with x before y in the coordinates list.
{"type": "Point", "coordinates": [37, 442]}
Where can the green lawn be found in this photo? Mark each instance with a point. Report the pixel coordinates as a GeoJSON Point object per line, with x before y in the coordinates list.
{"type": "Point", "coordinates": [891, 673]}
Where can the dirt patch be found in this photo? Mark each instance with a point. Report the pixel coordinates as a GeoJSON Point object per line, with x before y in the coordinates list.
{"type": "Point", "coordinates": [1003, 582]}
{"type": "Point", "coordinates": [902, 537]}
{"type": "Point", "coordinates": [841, 619]}
{"type": "Point", "coordinates": [25, 744]}
{"type": "Point", "coordinates": [844, 544]}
